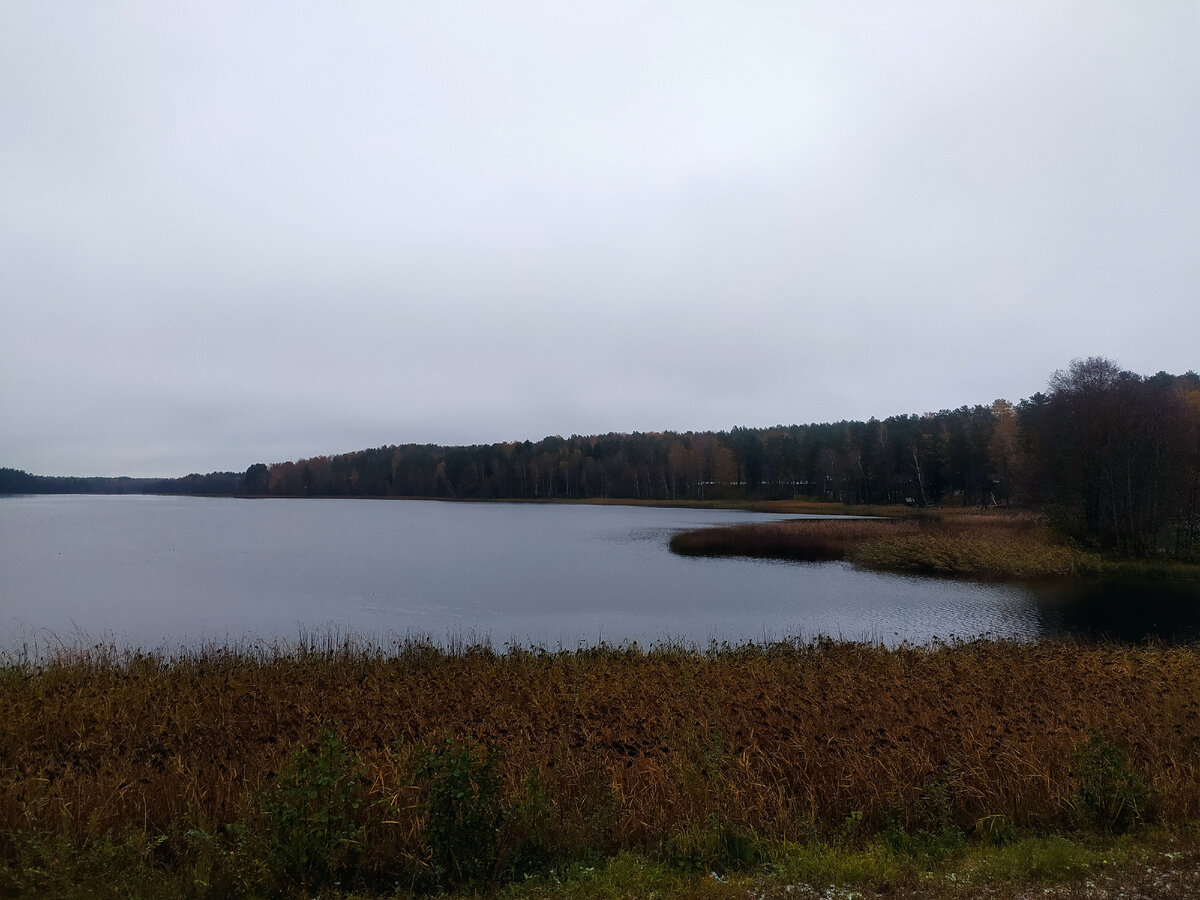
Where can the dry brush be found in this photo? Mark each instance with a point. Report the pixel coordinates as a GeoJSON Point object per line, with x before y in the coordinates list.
{"type": "Point", "coordinates": [626, 746]}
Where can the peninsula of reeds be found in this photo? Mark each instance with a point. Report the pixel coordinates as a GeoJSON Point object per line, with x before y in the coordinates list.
{"type": "Point", "coordinates": [982, 544]}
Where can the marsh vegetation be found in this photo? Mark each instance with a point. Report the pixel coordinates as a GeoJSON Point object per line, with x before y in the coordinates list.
{"type": "Point", "coordinates": [413, 769]}
{"type": "Point", "coordinates": [987, 544]}
{"type": "Point", "coordinates": [975, 544]}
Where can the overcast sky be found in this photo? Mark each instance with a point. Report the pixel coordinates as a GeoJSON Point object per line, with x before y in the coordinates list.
{"type": "Point", "coordinates": [241, 232]}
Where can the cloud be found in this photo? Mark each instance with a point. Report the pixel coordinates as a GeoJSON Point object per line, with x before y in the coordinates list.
{"type": "Point", "coordinates": [238, 233]}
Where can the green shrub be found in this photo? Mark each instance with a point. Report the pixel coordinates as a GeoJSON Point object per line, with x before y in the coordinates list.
{"type": "Point", "coordinates": [925, 827]}
{"type": "Point", "coordinates": [1111, 795]}
{"type": "Point", "coordinates": [310, 812]}
{"type": "Point", "coordinates": [225, 862]}
{"type": "Point", "coordinates": [462, 813]}
{"type": "Point", "coordinates": [528, 842]}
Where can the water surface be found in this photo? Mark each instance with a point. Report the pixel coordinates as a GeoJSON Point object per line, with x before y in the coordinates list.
{"type": "Point", "coordinates": [161, 571]}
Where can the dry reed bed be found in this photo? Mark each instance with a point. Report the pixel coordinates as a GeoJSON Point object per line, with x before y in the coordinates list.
{"type": "Point", "coordinates": [965, 543]}
{"type": "Point", "coordinates": [802, 539]}
{"type": "Point", "coordinates": [630, 746]}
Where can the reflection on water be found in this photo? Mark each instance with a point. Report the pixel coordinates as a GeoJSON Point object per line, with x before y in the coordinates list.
{"type": "Point", "coordinates": [155, 571]}
{"type": "Point", "coordinates": [1127, 610]}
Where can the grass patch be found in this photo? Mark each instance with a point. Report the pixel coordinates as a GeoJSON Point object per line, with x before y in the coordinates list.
{"type": "Point", "coordinates": [1053, 858]}
{"type": "Point", "coordinates": [120, 867]}
{"type": "Point", "coordinates": [822, 865]}
{"type": "Point", "coordinates": [832, 871]}
{"type": "Point", "coordinates": [966, 556]}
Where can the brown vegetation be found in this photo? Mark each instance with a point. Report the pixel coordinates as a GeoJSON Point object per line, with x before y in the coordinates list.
{"type": "Point", "coordinates": [987, 544]}
{"type": "Point", "coordinates": [963, 543]}
{"type": "Point", "coordinates": [802, 539]}
{"type": "Point", "coordinates": [624, 747]}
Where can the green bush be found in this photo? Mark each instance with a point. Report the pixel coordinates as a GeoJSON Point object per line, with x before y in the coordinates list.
{"type": "Point", "coordinates": [462, 813]}
{"type": "Point", "coordinates": [528, 842]}
{"type": "Point", "coordinates": [310, 816]}
{"type": "Point", "coordinates": [1111, 796]}
{"type": "Point", "coordinates": [925, 827]}
{"type": "Point", "coordinates": [225, 862]}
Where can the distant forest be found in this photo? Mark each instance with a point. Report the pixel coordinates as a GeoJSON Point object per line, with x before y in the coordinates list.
{"type": "Point", "coordinates": [1113, 455]}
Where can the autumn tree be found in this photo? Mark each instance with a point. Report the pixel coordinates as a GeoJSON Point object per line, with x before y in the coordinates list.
{"type": "Point", "coordinates": [257, 479]}
{"type": "Point", "coordinates": [1109, 453]}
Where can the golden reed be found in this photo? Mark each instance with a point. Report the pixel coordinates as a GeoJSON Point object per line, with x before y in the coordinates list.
{"type": "Point", "coordinates": [628, 745]}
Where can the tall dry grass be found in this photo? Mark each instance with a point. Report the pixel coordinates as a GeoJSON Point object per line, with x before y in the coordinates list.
{"type": "Point", "coordinates": [988, 544]}
{"type": "Point", "coordinates": [626, 746]}
{"type": "Point", "coordinates": [799, 539]}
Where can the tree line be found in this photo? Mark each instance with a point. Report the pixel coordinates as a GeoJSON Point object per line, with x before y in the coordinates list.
{"type": "Point", "coordinates": [1112, 455]}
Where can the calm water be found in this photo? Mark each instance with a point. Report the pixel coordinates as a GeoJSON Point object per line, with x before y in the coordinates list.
{"type": "Point", "coordinates": [161, 571]}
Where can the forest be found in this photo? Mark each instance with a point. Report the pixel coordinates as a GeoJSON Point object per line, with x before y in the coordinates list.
{"type": "Point", "coordinates": [1112, 456]}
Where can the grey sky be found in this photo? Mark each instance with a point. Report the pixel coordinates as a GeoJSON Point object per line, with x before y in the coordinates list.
{"type": "Point", "coordinates": [243, 232]}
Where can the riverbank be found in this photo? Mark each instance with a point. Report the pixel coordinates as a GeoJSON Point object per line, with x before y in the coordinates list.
{"type": "Point", "coordinates": [977, 544]}
{"type": "Point", "coordinates": [412, 769]}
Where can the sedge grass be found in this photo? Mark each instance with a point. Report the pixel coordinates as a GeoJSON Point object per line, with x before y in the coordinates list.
{"type": "Point", "coordinates": [600, 751]}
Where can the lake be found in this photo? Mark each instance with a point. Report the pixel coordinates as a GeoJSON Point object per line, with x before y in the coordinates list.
{"type": "Point", "coordinates": [160, 572]}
